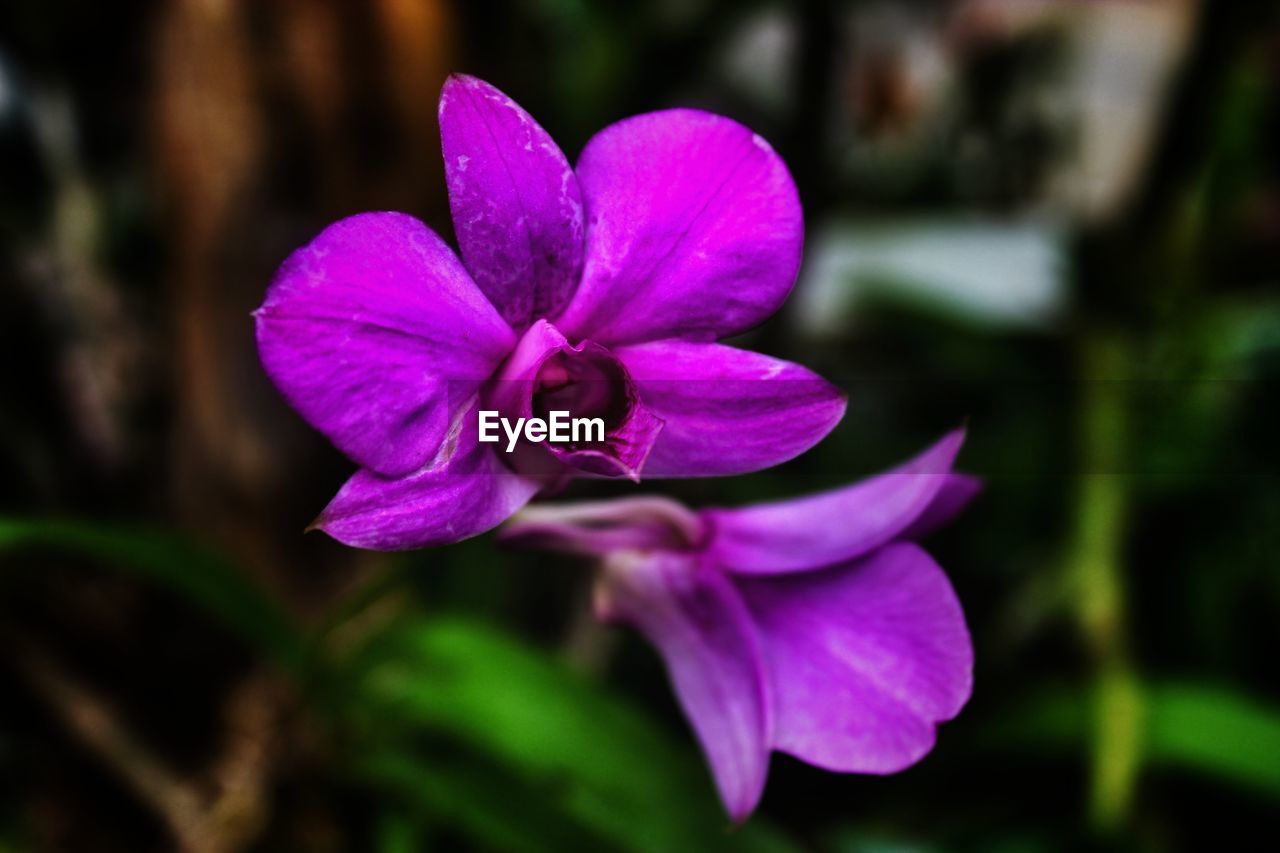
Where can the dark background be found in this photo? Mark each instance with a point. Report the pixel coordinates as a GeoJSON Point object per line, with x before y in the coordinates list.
{"type": "Point", "coordinates": [1055, 221]}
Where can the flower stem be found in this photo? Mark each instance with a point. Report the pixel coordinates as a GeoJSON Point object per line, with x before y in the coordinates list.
{"type": "Point", "coordinates": [1096, 567]}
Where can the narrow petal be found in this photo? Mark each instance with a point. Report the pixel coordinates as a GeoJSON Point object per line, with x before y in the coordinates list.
{"type": "Point", "coordinates": [698, 623]}
{"type": "Point", "coordinates": [516, 205]}
{"type": "Point", "coordinates": [728, 411]}
{"type": "Point", "coordinates": [376, 335]}
{"type": "Point", "coordinates": [464, 492]}
{"type": "Point", "coordinates": [694, 230]}
{"type": "Point", "coordinates": [598, 528]}
{"type": "Point", "coordinates": [865, 659]}
{"type": "Point", "coordinates": [957, 492]}
{"type": "Point", "coordinates": [832, 527]}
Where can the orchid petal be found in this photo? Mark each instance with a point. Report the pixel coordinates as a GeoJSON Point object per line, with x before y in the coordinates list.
{"type": "Point", "coordinates": [598, 528]}
{"type": "Point", "coordinates": [832, 527]}
{"type": "Point", "coordinates": [697, 621]}
{"type": "Point", "coordinates": [957, 492]}
{"type": "Point", "coordinates": [864, 659]}
{"type": "Point", "coordinates": [464, 492]}
{"type": "Point", "coordinates": [694, 230]}
{"type": "Point", "coordinates": [728, 411]}
{"type": "Point", "coordinates": [517, 209]}
{"type": "Point", "coordinates": [376, 335]}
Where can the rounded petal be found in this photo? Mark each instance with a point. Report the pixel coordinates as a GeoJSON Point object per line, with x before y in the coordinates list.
{"type": "Point", "coordinates": [864, 659]}
{"type": "Point", "coordinates": [698, 623]}
{"type": "Point", "coordinates": [516, 206]}
{"type": "Point", "coordinates": [464, 492]}
{"type": "Point", "coordinates": [728, 411]}
{"type": "Point", "coordinates": [375, 334]}
{"type": "Point", "coordinates": [821, 530]}
{"type": "Point", "coordinates": [694, 230]}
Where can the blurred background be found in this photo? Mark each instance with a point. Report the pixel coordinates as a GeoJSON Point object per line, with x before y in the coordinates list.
{"type": "Point", "coordinates": [1056, 221]}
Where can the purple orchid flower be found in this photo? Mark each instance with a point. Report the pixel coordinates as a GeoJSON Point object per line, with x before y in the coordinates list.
{"type": "Point", "coordinates": [599, 290]}
{"type": "Point", "coordinates": [813, 626]}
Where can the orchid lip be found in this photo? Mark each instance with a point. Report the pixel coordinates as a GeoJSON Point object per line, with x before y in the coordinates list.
{"type": "Point", "coordinates": [545, 373]}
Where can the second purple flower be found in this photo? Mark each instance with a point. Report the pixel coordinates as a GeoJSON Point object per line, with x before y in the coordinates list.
{"type": "Point", "coordinates": [813, 626]}
{"type": "Point", "coordinates": [599, 289]}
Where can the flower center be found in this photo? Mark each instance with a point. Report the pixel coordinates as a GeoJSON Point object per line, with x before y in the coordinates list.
{"type": "Point", "coordinates": [587, 385]}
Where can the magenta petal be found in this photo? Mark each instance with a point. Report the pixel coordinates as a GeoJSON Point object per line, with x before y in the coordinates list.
{"type": "Point", "coordinates": [598, 528]}
{"type": "Point", "coordinates": [824, 529]}
{"type": "Point", "coordinates": [375, 334]}
{"type": "Point", "coordinates": [728, 411]}
{"type": "Point", "coordinates": [513, 388]}
{"type": "Point", "coordinates": [516, 206]}
{"type": "Point", "coordinates": [957, 492]}
{"type": "Point", "coordinates": [864, 659]}
{"type": "Point", "coordinates": [699, 624]}
{"type": "Point", "coordinates": [694, 230]}
{"type": "Point", "coordinates": [465, 491]}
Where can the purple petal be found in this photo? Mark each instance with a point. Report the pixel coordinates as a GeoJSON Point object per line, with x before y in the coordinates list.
{"type": "Point", "coordinates": [516, 206]}
{"type": "Point", "coordinates": [546, 373]}
{"type": "Point", "coordinates": [694, 230]}
{"type": "Point", "coordinates": [698, 622]}
{"type": "Point", "coordinates": [957, 492]}
{"type": "Point", "coordinates": [465, 491]}
{"type": "Point", "coordinates": [832, 527]}
{"type": "Point", "coordinates": [864, 659]}
{"type": "Point", "coordinates": [376, 335]}
{"type": "Point", "coordinates": [728, 411]}
{"type": "Point", "coordinates": [597, 528]}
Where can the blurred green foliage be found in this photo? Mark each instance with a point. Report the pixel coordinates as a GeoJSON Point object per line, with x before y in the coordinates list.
{"type": "Point", "coordinates": [462, 729]}
{"type": "Point", "coordinates": [460, 725]}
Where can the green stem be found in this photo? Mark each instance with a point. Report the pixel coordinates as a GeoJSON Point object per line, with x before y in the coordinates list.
{"type": "Point", "coordinates": [1096, 569]}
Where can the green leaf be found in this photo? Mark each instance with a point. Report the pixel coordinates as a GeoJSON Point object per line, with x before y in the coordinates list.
{"type": "Point", "coordinates": [398, 833]}
{"type": "Point", "coordinates": [490, 807]}
{"type": "Point", "coordinates": [1214, 731]}
{"type": "Point", "coordinates": [1218, 732]}
{"type": "Point", "coordinates": [589, 752]}
{"type": "Point", "coordinates": [199, 575]}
